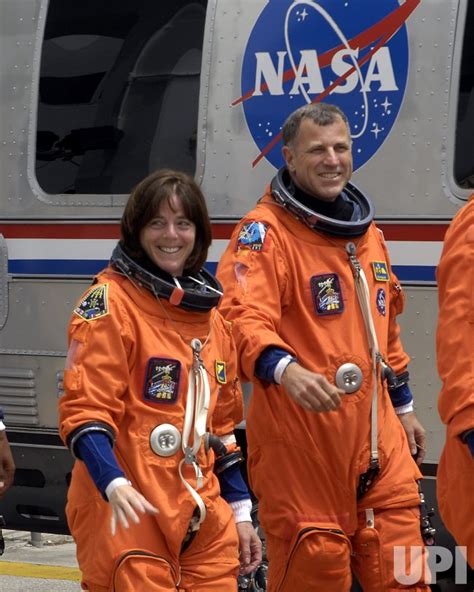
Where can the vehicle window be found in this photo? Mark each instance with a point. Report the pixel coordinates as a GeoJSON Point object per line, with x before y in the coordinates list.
{"type": "Point", "coordinates": [464, 153]}
{"type": "Point", "coordinates": [118, 93]}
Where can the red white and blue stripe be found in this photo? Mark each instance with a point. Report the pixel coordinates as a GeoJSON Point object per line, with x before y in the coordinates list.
{"type": "Point", "coordinates": [70, 249]}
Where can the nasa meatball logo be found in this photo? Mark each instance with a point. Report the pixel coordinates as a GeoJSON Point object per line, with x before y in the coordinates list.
{"type": "Point", "coordinates": [352, 53]}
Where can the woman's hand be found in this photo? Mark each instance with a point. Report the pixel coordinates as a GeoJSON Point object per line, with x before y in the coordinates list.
{"type": "Point", "coordinates": [126, 504]}
{"type": "Point", "coordinates": [250, 547]}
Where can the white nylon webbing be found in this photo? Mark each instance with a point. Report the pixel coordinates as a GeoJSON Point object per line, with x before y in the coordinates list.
{"type": "Point", "coordinates": [195, 419]}
{"type": "Point", "coordinates": [363, 295]}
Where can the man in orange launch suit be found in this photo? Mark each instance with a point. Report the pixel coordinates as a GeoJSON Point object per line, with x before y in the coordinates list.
{"type": "Point", "coordinates": [455, 344]}
{"type": "Point", "coordinates": [331, 430]}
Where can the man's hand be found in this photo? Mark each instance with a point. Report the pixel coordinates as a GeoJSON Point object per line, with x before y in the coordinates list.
{"type": "Point", "coordinates": [416, 435]}
{"type": "Point", "coordinates": [250, 547]}
{"type": "Point", "coordinates": [310, 390]}
{"type": "Point", "coordinates": [125, 502]}
{"type": "Point", "coordinates": [7, 465]}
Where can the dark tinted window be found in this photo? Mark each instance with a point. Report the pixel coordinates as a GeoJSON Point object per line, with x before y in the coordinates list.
{"type": "Point", "coordinates": [118, 93]}
{"type": "Point", "coordinates": [464, 153]}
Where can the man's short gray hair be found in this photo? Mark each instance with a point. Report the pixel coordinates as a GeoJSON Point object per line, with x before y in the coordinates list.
{"type": "Point", "coordinates": [319, 113]}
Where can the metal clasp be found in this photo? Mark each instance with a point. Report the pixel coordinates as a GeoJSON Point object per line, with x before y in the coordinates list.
{"type": "Point", "coordinates": [196, 346]}
{"type": "Point", "coordinates": [351, 251]}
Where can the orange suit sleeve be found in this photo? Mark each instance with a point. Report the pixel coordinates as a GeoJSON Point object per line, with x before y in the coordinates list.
{"type": "Point", "coordinates": [455, 331]}
{"type": "Point", "coordinates": [397, 358]}
{"type": "Point", "coordinates": [96, 375]}
{"type": "Point", "coordinates": [256, 291]}
{"type": "Point", "coordinates": [229, 407]}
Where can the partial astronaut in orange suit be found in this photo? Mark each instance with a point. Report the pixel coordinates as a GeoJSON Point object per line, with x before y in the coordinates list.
{"type": "Point", "coordinates": [151, 401]}
{"type": "Point", "coordinates": [313, 300]}
{"type": "Point", "coordinates": [455, 347]}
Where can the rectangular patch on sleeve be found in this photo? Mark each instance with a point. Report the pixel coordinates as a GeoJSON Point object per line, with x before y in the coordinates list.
{"type": "Point", "coordinates": [95, 303]}
{"type": "Point", "coordinates": [162, 380]}
{"type": "Point", "coordinates": [252, 236]}
{"type": "Point", "coordinates": [327, 294]}
{"type": "Point", "coordinates": [221, 372]}
{"type": "Point", "coordinates": [380, 271]}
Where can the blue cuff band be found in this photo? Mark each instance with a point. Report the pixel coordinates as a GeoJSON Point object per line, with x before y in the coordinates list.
{"type": "Point", "coordinates": [96, 452]}
{"type": "Point", "coordinates": [233, 487]}
{"type": "Point", "coordinates": [268, 361]}
{"type": "Point", "coordinates": [401, 395]}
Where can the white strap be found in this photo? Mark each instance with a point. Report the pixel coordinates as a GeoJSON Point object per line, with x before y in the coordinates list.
{"type": "Point", "coordinates": [195, 419]}
{"type": "Point", "coordinates": [363, 295]}
{"type": "Point", "coordinates": [197, 498]}
{"type": "Point", "coordinates": [364, 299]}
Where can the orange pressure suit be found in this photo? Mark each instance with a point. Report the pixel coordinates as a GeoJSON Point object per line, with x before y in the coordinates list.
{"type": "Point", "coordinates": [293, 288]}
{"type": "Point", "coordinates": [128, 369]}
{"type": "Point", "coordinates": [455, 347]}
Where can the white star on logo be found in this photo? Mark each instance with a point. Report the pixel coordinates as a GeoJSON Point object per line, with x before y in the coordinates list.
{"type": "Point", "coordinates": [376, 130]}
{"type": "Point", "coordinates": [386, 104]}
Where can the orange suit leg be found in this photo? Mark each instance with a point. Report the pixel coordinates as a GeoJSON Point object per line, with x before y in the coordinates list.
{"type": "Point", "coordinates": [316, 559]}
{"type": "Point", "coordinates": [210, 563]}
{"type": "Point", "coordinates": [139, 572]}
{"type": "Point", "coordinates": [373, 546]}
{"type": "Point", "coordinates": [454, 490]}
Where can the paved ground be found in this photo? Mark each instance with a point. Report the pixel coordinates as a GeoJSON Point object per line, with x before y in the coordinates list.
{"type": "Point", "coordinates": [45, 563]}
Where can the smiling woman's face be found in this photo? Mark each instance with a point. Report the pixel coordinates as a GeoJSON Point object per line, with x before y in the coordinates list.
{"type": "Point", "coordinates": [168, 238]}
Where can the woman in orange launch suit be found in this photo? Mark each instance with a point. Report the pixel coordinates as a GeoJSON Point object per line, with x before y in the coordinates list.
{"type": "Point", "coordinates": [151, 401]}
{"type": "Point", "coordinates": [455, 353]}
{"type": "Point", "coordinates": [313, 300]}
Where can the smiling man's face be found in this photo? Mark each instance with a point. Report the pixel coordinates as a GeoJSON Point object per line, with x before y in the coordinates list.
{"type": "Point", "coordinates": [319, 158]}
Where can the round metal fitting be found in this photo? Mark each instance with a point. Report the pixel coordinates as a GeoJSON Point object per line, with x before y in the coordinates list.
{"type": "Point", "coordinates": [165, 439]}
{"type": "Point", "coordinates": [196, 345]}
{"type": "Point", "coordinates": [349, 377]}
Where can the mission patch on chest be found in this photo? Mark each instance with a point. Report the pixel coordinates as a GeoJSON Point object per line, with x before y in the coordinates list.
{"type": "Point", "coordinates": [221, 375]}
{"type": "Point", "coordinates": [380, 270]}
{"type": "Point", "coordinates": [162, 380]}
{"type": "Point", "coordinates": [327, 294]}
